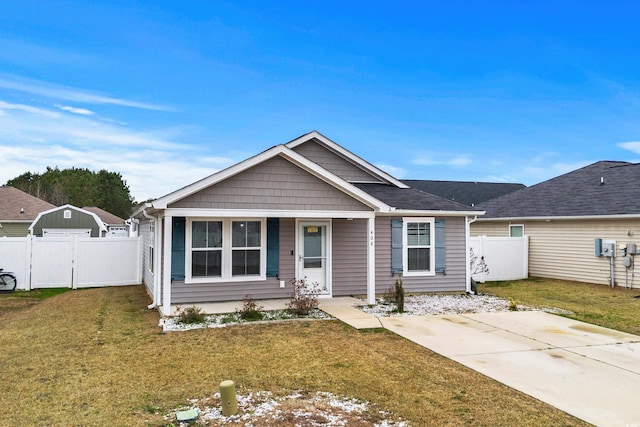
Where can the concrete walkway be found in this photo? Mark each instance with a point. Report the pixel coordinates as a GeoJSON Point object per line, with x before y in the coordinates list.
{"type": "Point", "coordinates": [590, 372]}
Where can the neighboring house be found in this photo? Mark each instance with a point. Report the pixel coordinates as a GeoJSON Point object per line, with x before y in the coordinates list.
{"type": "Point", "coordinates": [468, 193]}
{"type": "Point", "coordinates": [116, 226]}
{"type": "Point", "coordinates": [308, 208]}
{"type": "Point", "coordinates": [67, 220]}
{"type": "Point", "coordinates": [564, 215]}
{"type": "Point", "coordinates": [18, 210]}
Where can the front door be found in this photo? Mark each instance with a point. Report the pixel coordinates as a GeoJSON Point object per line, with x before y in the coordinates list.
{"type": "Point", "coordinates": [314, 254]}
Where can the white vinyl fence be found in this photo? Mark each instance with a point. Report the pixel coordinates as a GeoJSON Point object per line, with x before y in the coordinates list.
{"type": "Point", "coordinates": [507, 258]}
{"type": "Point", "coordinates": [59, 262]}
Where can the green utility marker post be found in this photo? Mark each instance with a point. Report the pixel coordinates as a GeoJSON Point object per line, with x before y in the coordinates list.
{"type": "Point", "coordinates": [228, 398]}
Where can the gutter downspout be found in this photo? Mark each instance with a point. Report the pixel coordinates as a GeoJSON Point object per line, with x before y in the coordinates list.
{"type": "Point", "coordinates": [156, 290]}
{"type": "Point", "coordinates": [467, 232]}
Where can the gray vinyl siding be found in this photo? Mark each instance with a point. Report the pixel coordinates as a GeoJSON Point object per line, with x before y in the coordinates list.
{"type": "Point", "coordinates": [273, 184]}
{"type": "Point", "coordinates": [349, 257]}
{"type": "Point", "coordinates": [564, 249]}
{"type": "Point", "coordinates": [453, 280]}
{"type": "Point", "coordinates": [334, 163]}
{"type": "Point", "coordinates": [78, 220]}
{"type": "Point", "coordinates": [147, 240]}
{"type": "Point", "coordinates": [182, 293]}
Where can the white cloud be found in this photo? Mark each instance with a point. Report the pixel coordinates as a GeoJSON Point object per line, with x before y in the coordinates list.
{"type": "Point", "coordinates": [633, 146]}
{"type": "Point", "coordinates": [82, 111]}
{"type": "Point", "coordinates": [442, 159]}
{"type": "Point", "coordinates": [394, 171]}
{"type": "Point", "coordinates": [70, 94]}
{"type": "Point", "coordinates": [152, 162]}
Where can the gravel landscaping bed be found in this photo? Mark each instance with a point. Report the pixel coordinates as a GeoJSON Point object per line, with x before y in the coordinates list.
{"type": "Point", "coordinates": [296, 409]}
{"type": "Point", "coordinates": [442, 304]}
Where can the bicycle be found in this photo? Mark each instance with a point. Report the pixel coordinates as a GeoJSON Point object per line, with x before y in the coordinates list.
{"type": "Point", "coordinates": [8, 281]}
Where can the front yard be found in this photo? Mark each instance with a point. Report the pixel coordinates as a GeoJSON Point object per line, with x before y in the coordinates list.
{"type": "Point", "coordinates": [97, 357]}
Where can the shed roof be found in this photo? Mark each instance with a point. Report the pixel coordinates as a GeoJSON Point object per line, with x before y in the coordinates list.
{"type": "Point", "coordinates": [604, 188]}
{"type": "Point", "coordinates": [16, 205]}
{"type": "Point", "coordinates": [469, 193]}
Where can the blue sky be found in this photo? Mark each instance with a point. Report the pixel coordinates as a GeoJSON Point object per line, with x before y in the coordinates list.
{"type": "Point", "coordinates": [168, 92]}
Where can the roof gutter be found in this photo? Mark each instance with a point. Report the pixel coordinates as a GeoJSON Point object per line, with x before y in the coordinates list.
{"type": "Point", "coordinates": [559, 218]}
{"type": "Point", "coordinates": [414, 212]}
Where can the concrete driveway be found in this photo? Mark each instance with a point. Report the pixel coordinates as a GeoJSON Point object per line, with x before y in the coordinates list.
{"type": "Point", "coordinates": [590, 372]}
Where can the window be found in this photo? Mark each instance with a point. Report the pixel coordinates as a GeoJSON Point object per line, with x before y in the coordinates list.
{"type": "Point", "coordinates": [151, 261]}
{"type": "Point", "coordinates": [516, 230]}
{"type": "Point", "coordinates": [226, 249]}
{"type": "Point", "coordinates": [206, 253]}
{"type": "Point", "coordinates": [245, 242]}
{"type": "Point", "coordinates": [419, 249]}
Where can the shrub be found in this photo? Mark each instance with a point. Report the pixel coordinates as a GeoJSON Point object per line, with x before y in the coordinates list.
{"type": "Point", "coordinates": [250, 309]}
{"type": "Point", "coordinates": [304, 297]}
{"type": "Point", "coordinates": [399, 295]}
{"type": "Point", "coordinates": [190, 315]}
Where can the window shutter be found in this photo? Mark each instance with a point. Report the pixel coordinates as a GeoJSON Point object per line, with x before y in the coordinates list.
{"type": "Point", "coordinates": [441, 263]}
{"type": "Point", "coordinates": [178, 248]}
{"type": "Point", "coordinates": [273, 247]}
{"type": "Point", "coordinates": [396, 246]}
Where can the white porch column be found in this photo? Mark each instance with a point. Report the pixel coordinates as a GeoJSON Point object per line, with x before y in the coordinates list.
{"type": "Point", "coordinates": [166, 265]}
{"type": "Point", "coordinates": [371, 260]}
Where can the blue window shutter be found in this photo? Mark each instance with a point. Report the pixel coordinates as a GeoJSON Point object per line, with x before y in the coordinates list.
{"type": "Point", "coordinates": [273, 247]}
{"type": "Point", "coordinates": [441, 263]}
{"type": "Point", "coordinates": [396, 246]}
{"type": "Point", "coordinates": [178, 248]}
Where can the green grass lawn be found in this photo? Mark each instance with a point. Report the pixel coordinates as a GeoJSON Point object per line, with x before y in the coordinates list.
{"type": "Point", "coordinates": [97, 357]}
{"type": "Point", "coordinates": [614, 308]}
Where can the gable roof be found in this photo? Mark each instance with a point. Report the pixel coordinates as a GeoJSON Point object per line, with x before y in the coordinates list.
{"type": "Point", "coordinates": [18, 206]}
{"type": "Point", "coordinates": [468, 193]}
{"type": "Point", "coordinates": [605, 188]}
{"type": "Point", "coordinates": [385, 198]}
{"type": "Point", "coordinates": [346, 154]}
{"type": "Point", "coordinates": [106, 217]}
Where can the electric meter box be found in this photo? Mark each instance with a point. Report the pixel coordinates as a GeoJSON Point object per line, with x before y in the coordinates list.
{"type": "Point", "coordinates": [609, 248]}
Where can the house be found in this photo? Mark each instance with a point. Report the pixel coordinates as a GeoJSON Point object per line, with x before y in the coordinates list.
{"type": "Point", "coordinates": [470, 193]}
{"type": "Point", "coordinates": [305, 209]}
{"type": "Point", "coordinates": [18, 210]}
{"type": "Point", "coordinates": [67, 220]}
{"type": "Point", "coordinates": [116, 226]}
{"type": "Point", "coordinates": [564, 215]}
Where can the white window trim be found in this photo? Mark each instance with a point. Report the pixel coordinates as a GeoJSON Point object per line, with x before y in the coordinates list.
{"type": "Point", "coordinates": [516, 225]}
{"type": "Point", "coordinates": [432, 246]}
{"type": "Point", "coordinates": [151, 254]}
{"type": "Point", "coordinates": [226, 275]}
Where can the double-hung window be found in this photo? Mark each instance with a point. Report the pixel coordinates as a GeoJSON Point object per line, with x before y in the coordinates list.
{"type": "Point", "coordinates": [206, 249]}
{"type": "Point", "coordinates": [246, 247]}
{"type": "Point", "coordinates": [226, 249]}
{"type": "Point", "coordinates": [419, 246]}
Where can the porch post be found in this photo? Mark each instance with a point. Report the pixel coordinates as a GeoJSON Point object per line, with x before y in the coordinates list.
{"type": "Point", "coordinates": [371, 260]}
{"type": "Point", "coordinates": [166, 265]}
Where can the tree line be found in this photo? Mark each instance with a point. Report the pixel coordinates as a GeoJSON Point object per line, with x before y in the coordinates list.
{"type": "Point", "coordinates": [78, 187]}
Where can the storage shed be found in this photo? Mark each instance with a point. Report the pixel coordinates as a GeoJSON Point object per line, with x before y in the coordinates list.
{"type": "Point", "coordinates": [67, 220]}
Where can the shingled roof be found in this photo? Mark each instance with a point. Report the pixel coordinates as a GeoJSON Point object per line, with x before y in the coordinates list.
{"type": "Point", "coordinates": [412, 198]}
{"type": "Point", "coordinates": [602, 188]}
{"type": "Point", "coordinates": [468, 193]}
{"type": "Point", "coordinates": [18, 206]}
{"type": "Point", "coordinates": [106, 217]}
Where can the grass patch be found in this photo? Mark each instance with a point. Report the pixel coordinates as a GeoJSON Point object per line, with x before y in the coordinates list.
{"type": "Point", "coordinates": [614, 308]}
{"type": "Point", "coordinates": [20, 300]}
{"type": "Point", "coordinates": [97, 358]}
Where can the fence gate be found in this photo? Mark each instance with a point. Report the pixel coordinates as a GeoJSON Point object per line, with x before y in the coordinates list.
{"type": "Point", "coordinates": [52, 262]}
{"type": "Point", "coordinates": [506, 257]}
